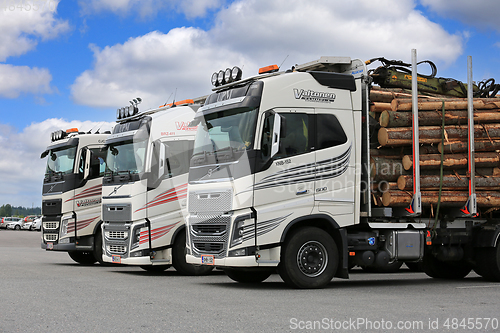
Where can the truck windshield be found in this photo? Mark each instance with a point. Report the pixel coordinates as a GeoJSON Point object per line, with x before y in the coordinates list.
{"type": "Point", "coordinates": [128, 156]}
{"type": "Point", "coordinates": [61, 160]}
{"type": "Point", "coordinates": [227, 131]}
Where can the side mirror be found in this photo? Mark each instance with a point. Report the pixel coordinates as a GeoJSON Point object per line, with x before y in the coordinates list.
{"type": "Point", "coordinates": [275, 141]}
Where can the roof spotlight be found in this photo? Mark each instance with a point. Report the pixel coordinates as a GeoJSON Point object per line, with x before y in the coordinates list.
{"type": "Point", "coordinates": [214, 79]}
{"type": "Point", "coordinates": [131, 111]}
{"type": "Point", "coordinates": [236, 73]}
{"type": "Point", "coordinates": [227, 75]}
{"type": "Point", "coordinates": [220, 77]}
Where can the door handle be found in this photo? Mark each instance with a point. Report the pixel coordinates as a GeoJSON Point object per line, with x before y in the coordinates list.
{"type": "Point", "coordinates": [302, 192]}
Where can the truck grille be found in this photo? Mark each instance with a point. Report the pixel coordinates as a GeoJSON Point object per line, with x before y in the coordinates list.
{"type": "Point", "coordinates": [116, 234]}
{"type": "Point", "coordinates": [209, 234]}
{"type": "Point", "coordinates": [117, 249]}
{"type": "Point", "coordinates": [50, 237]}
{"type": "Point", "coordinates": [50, 225]}
{"type": "Point", "coordinates": [202, 202]}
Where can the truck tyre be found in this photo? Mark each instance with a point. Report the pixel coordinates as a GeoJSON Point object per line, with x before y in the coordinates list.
{"type": "Point", "coordinates": [246, 275]}
{"type": "Point", "coordinates": [444, 270]}
{"type": "Point", "coordinates": [155, 268]}
{"type": "Point", "coordinates": [83, 258]}
{"type": "Point", "coordinates": [309, 258]}
{"type": "Point", "coordinates": [179, 258]}
{"type": "Point", "coordinates": [98, 247]}
{"type": "Point", "coordinates": [488, 263]}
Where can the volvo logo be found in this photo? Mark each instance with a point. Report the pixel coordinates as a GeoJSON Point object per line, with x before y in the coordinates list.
{"type": "Point", "coordinates": [115, 190]}
{"type": "Point", "coordinates": [51, 188]}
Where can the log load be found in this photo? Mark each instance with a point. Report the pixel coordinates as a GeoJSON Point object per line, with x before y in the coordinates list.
{"type": "Point", "coordinates": [451, 182]}
{"type": "Point", "coordinates": [434, 118]}
{"type": "Point", "coordinates": [392, 162]}
{"type": "Point", "coordinates": [462, 146]}
{"type": "Point", "coordinates": [461, 104]}
{"type": "Point", "coordinates": [402, 136]}
{"type": "Point", "coordinates": [398, 198]}
{"type": "Point", "coordinates": [433, 161]}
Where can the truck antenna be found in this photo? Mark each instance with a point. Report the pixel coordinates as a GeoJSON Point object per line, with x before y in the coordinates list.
{"type": "Point", "coordinates": [283, 61]}
{"type": "Point", "coordinates": [169, 98]}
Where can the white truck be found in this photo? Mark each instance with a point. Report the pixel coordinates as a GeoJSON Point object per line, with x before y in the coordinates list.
{"type": "Point", "coordinates": [282, 179]}
{"type": "Point", "coordinates": [145, 188]}
{"type": "Point", "coordinates": [71, 203]}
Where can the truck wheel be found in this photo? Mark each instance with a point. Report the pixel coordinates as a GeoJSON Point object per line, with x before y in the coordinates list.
{"type": "Point", "coordinates": [154, 268]}
{"type": "Point", "coordinates": [84, 258]}
{"type": "Point", "coordinates": [98, 247]}
{"type": "Point", "coordinates": [444, 270]}
{"type": "Point", "coordinates": [488, 263]}
{"type": "Point", "coordinates": [309, 258]}
{"type": "Point", "coordinates": [179, 258]}
{"type": "Point", "coordinates": [247, 275]}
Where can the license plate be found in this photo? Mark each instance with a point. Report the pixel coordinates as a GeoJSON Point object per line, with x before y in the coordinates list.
{"type": "Point", "coordinates": [116, 259]}
{"type": "Point", "coordinates": [207, 260]}
{"type": "Point", "coordinates": [50, 246]}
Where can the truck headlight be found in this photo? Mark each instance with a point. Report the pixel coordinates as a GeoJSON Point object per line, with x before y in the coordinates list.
{"type": "Point", "coordinates": [239, 229]}
{"type": "Point", "coordinates": [136, 235]}
{"type": "Point", "coordinates": [64, 226]}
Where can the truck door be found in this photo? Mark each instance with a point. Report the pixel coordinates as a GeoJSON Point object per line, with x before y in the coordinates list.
{"type": "Point", "coordinates": [335, 164]}
{"type": "Point", "coordinates": [167, 193]}
{"type": "Point", "coordinates": [284, 188]}
{"type": "Point", "coordinates": [87, 198]}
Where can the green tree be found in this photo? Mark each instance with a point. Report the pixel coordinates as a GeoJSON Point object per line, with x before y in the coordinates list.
{"type": "Point", "coordinates": [6, 210]}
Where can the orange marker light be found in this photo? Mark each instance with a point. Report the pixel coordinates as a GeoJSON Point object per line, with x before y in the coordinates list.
{"type": "Point", "coordinates": [185, 101]}
{"type": "Point", "coordinates": [72, 130]}
{"type": "Point", "coordinates": [352, 254]}
{"type": "Point", "coordinates": [268, 69]}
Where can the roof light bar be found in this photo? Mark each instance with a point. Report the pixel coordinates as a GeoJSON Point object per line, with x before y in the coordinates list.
{"type": "Point", "coordinates": [129, 110]}
{"type": "Point", "coordinates": [226, 76]}
{"type": "Point", "coordinates": [60, 134]}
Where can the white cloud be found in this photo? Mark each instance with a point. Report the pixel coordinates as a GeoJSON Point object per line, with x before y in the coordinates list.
{"type": "Point", "coordinates": [152, 67]}
{"type": "Point", "coordinates": [15, 80]}
{"type": "Point", "coordinates": [148, 8]}
{"type": "Point", "coordinates": [255, 33]}
{"type": "Point", "coordinates": [480, 13]}
{"type": "Point", "coordinates": [22, 29]}
{"type": "Point", "coordinates": [21, 168]}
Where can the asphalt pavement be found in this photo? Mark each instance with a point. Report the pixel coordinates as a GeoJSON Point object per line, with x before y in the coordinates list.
{"type": "Point", "coordinates": [47, 292]}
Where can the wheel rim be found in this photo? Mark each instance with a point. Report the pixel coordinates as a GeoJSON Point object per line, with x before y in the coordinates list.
{"type": "Point", "coordinates": [312, 259]}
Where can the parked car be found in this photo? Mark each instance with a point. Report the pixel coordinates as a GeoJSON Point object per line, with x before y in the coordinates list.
{"type": "Point", "coordinates": [15, 223]}
{"type": "Point", "coordinates": [27, 225]}
{"type": "Point", "coordinates": [7, 220]}
{"type": "Point", "coordinates": [37, 224]}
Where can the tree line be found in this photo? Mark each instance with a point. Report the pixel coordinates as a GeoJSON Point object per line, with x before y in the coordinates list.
{"type": "Point", "coordinates": [8, 210]}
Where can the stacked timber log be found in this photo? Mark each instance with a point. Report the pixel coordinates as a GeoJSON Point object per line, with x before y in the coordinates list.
{"type": "Point", "coordinates": [392, 161]}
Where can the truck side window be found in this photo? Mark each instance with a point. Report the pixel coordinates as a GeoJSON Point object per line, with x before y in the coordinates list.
{"type": "Point", "coordinates": [329, 132]}
{"type": "Point", "coordinates": [296, 140]}
{"type": "Point", "coordinates": [180, 155]}
{"type": "Point", "coordinates": [97, 163]}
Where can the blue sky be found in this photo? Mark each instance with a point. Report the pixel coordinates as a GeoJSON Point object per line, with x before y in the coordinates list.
{"type": "Point", "coordinates": [75, 65]}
